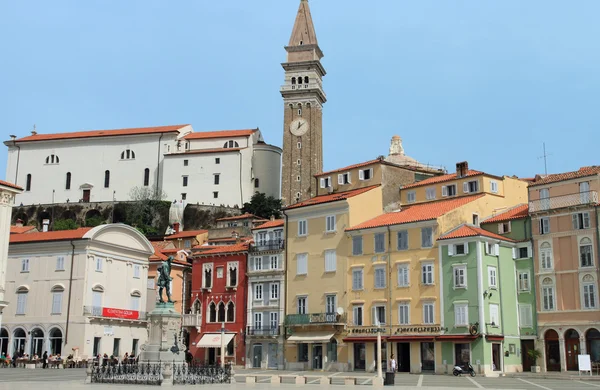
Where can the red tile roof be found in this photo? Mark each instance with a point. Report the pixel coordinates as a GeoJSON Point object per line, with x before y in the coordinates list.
{"type": "Point", "coordinates": [60, 235]}
{"type": "Point", "coordinates": [21, 229]}
{"type": "Point", "coordinates": [236, 217]}
{"type": "Point", "coordinates": [11, 185]}
{"type": "Point", "coordinates": [221, 134]}
{"type": "Point", "coordinates": [521, 211]}
{"type": "Point", "coordinates": [417, 213]}
{"type": "Point", "coordinates": [553, 178]}
{"type": "Point", "coordinates": [331, 197]}
{"type": "Point", "coordinates": [363, 164]}
{"type": "Point", "coordinates": [206, 151]}
{"type": "Point", "coordinates": [185, 234]}
{"type": "Point", "coordinates": [270, 224]}
{"type": "Point", "coordinates": [441, 179]}
{"type": "Point", "coordinates": [102, 133]}
{"type": "Point", "coordinates": [240, 247]}
{"type": "Point", "coordinates": [158, 247]}
{"type": "Point", "coordinates": [472, 231]}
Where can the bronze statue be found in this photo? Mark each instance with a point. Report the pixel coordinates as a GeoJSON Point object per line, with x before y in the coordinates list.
{"type": "Point", "coordinates": [164, 279]}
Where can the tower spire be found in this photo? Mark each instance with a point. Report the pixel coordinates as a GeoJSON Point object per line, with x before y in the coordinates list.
{"type": "Point", "coordinates": [303, 32]}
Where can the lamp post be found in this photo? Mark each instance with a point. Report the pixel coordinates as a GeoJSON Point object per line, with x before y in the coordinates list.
{"type": "Point", "coordinates": [379, 369]}
{"type": "Point", "coordinates": [222, 345]}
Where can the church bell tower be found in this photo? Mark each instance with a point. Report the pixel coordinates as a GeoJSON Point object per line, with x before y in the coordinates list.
{"type": "Point", "coordinates": [303, 99]}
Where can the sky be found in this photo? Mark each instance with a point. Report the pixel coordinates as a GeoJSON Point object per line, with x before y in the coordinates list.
{"type": "Point", "coordinates": [484, 81]}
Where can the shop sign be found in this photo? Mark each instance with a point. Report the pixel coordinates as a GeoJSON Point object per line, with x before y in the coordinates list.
{"type": "Point", "coordinates": [120, 313]}
{"type": "Point", "coordinates": [322, 318]}
{"type": "Point", "coordinates": [418, 329]}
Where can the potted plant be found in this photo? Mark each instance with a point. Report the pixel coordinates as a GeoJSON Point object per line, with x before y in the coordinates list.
{"type": "Point", "coordinates": [534, 355]}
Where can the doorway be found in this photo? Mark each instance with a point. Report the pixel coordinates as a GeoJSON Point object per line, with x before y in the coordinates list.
{"type": "Point", "coordinates": [552, 350]}
{"type": "Point", "coordinates": [212, 356]}
{"type": "Point", "coordinates": [403, 354]}
{"type": "Point", "coordinates": [37, 342]}
{"type": "Point", "coordinates": [257, 356]}
{"type": "Point", "coordinates": [86, 196]}
{"type": "Point", "coordinates": [360, 352]}
{"type": "Point", "coordinates": [427, 356]}
{"type": "Point", "coordinates": [19, 339]}
{"type": "Point", "coordinates": [317, 357]}
{"type": "Point", "coordinates": [496, 357]}
{"type": "Point", "coordinates": [526, 346]}
{"type": "Point", "coordinates": [572, 349]}
{"type": "Point", "coordinates": [272, 357]}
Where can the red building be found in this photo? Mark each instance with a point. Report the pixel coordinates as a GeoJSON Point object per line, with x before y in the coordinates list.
{"type": "Point", "coordinates": [218, 296]}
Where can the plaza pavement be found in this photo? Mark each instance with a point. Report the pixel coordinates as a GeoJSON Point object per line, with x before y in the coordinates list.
{"type": "Point", "coordinates": [72, 379]}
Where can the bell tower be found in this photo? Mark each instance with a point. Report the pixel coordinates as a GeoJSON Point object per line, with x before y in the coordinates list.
{"type": "Point", "coordinates": [303, 99]}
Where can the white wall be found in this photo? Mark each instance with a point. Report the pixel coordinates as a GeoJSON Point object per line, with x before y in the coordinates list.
{"type": "Point", "coordinates": [267, 168]}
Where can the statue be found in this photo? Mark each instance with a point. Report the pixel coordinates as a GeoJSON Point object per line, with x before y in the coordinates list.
{"type": "Point", "coordinates": [164, 279]}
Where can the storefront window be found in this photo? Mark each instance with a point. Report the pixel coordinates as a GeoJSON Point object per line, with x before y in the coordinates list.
{"type": "Point", "coordinates": [303, 352]}
{"type": "Point", "coordinates": [332, 351]}
{"type": "Point", "coordinates": [462, 354]}
{"type": "Point", "coordinates": [593, 348]}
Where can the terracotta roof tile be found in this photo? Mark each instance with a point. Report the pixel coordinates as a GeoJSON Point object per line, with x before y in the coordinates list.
{"type": "Point", "coordinates": [270, 224]}
{"type": "Point", "coordinates": [363, 164]}
{"type": "Point", "coordinates": [417, 213]}
{"type": "Point", "coordinates": [102, 133]}
{"type": "Point", "coordinates": [60, 235]}
{"type": "Point", "coordinates": [11, 185]}
{"type": "Point", "coordinates": [205, 151]}
{"type": "Point", "coordinates": [472, 231]}
{"type": "Point", "coordinates": [240, 247]}
{"type": "Point", "coordinates": [236, 217]}
{"type": "Point", "coordinates": [553, 178]}
{"type": "Point", "coordinates": [221, 134]}
{"type": "Point", "coordinates": [21, 229]}
{"type": "Point", "coordinates": [521, 211]}
{"type": "Point", "coordinates": [185, 234]}
{"type": "Point", "coordinates": [441, 179]}
{"type": "Point", "coordinates": [331, 197]}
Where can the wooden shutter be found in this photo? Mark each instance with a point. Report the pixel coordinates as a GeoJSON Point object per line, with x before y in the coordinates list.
{"type": "Point", "coordinates": [496, 249]}
{"type": "Point", "coordinates": [322, 181]}
{"type": "Point", "coordinates": [586, 220]}
{"type": "Point", "coordinates": [529, 250]}
{"type": "Point", "coordinates": [466, 248]}
{"type": "Point", "coordinates": [466, 187]}
{"type": "Point", "coordinates": [361, 174]}
{"type": "Point", "coordinates": [444, 191]}
{"type": "Point", "coordinates": [575, 221]}
{"type": "Point", "coordinates": [514, 253]}
{"type": "Point", "coordinates": [450, 250]}
{"type": "Point", "coordinates": [340, 179]}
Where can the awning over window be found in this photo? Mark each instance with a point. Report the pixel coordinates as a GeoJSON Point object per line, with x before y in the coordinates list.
{"type": "Point", "coordinates": [213, 340]}
{"type": "Point", "coordinates": [311, 337]}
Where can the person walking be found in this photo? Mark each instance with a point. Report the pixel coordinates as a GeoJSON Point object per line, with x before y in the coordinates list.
{"type": "Point", "coordinates": [45, 359]}
{"type": "Point", "coordinates": [392, 363]}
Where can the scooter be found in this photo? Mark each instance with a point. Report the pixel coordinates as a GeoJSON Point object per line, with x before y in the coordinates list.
{"type": "Point", "coordinates": [467, 369]}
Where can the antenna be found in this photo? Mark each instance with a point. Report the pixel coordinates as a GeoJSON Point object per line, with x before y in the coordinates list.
{"type": "Point", "coordinates": [545, 157]}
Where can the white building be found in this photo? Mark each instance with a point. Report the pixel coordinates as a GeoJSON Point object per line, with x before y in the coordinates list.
{"type": "Point", "coordinates": [219, 167]}
{"type": "Point", "coordinates": [266, 297]}
{"type": "Point", "coordinates": [83, 288]}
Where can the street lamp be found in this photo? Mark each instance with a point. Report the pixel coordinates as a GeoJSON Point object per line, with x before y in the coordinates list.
{"type": "Point", "coordinates": [379, 369]}
{"type": "Point", "coordinates": [222, 345]}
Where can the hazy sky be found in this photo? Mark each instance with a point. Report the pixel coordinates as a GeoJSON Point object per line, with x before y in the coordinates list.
{"type": "Point", "coordinates": [483, 81]}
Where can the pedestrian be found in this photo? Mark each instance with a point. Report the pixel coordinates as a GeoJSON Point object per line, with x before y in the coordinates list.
{"type": "Point", "coordinates": [45, 359]}
{"type": "Point", "coordinates": [392, 363]}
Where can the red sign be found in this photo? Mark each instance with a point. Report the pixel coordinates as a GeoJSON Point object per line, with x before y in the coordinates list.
{"type": "Point", "coordinates": [120, 313]}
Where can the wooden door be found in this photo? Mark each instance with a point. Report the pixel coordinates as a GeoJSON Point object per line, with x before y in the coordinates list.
{"type": "Point", "coordinates": [572, 350]}
{"type": "Point", "coordinates": [526, 346]}
{"type": "Point", "coordinates": [86, 196]}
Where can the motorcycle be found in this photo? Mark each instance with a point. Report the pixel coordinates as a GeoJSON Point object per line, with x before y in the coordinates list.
{"type": "Point", "coordinates": [467, 369]}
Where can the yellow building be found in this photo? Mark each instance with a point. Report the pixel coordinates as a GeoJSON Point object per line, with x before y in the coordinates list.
{"type": "Point", "coordinates": [394, 266]}
{"type": "Point", "coordinates": [317, 262]}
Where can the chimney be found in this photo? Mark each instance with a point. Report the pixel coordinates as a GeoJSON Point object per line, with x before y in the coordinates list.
{"type": "Point", "coordinates": [19, 223]}
{"type": "Point", "coordinates": [33, 132]}
{"type": "Point", "coordinates": [462, 168]}
{"type": "Point", "coordinates": [176, 227]}
{"type": "Point", "coordinates": [272, 217]}
{"type": "Point", "coordinates": [45, 224]}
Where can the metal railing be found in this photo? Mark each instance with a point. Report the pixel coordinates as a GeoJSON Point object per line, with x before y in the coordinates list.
{"type": "Point", "coordinates": [268, 245]}
{"type": "Point", "coordinates": [314, 318]}
{"type": "Point", "coordinates": [262, 331]}
{"type": "Point", "coordinates": [557, 202]}
{"type": "Point", "coordinates": [107, 312]}
{"type": "Point", "coordinates": [191, 320]}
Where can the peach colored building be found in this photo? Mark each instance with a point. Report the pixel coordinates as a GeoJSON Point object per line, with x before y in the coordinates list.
{"type": "Point", "coordinates": [564, 216]}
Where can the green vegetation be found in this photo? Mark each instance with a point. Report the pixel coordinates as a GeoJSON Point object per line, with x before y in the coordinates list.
{"type": "Point", "coordinates": [263, 206]}
{"type": "Point", "coordinates": [65, 224]}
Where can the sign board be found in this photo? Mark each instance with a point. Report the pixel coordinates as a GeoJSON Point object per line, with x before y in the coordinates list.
{"type": "Point", "coordinates": [585, 363]}
{"type": "Point", "coordinates": [120, 313]}
{"type": "Point", "coordinates": [108, 331]}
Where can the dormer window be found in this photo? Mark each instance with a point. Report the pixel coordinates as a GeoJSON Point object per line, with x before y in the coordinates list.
{"type": "Point", "coordinates": [470, 186]}
{"type": "Point", "coordinates": [325, 182]}
{"type": "Point", "coordinates": [231, 144]}
{"type": "Point", "coordinates": [449, 190]}
{"type": "Point", "coordinates": [365, 174]}
{"type": "Point", "coordinates": [344, 178]}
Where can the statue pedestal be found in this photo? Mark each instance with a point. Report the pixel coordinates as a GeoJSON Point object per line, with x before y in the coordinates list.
{"type": "Point", "coordinates": [163, 342]}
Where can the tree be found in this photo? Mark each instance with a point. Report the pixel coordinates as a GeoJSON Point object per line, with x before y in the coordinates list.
{"type": "Point", "coordinates": [146, 208]}
{"type": "Point", "coordinates": [263, 206]}
{"type": "Point", "coordinates": [64, 224]}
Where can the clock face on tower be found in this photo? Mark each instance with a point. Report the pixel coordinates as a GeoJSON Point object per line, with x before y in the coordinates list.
{"type": "Point", "coordinates": [299, 127]}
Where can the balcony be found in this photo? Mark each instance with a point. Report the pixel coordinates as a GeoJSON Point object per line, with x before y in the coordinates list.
{"type": "Point", "coordinates": [114, 313]}
{"type": "Point", "coordinates": [268, 245]}
{"type": "Point", "coordinates": [315, 319]}
{"type": "Point", "coordinates": [191, 320]}
{"type": "Point", "coordinates": [557, 202]}
{"type": "Point", "coordinates": [263, 331]}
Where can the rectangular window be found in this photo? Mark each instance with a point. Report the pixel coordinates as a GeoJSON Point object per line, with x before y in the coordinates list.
{"type": "Point", "coordinates": [379, 242]}
{"type": "Point", "coordinates": [404, 313]}
{"type": "Point", "coordinates": [379, 315]}
{"type": "Point", "coordinates": [302, 303]}
{"type": "Point", "coordinates": [258, 292]}
{"type": "Point", "coordinates": [330, 260]}
{"type": "Point", "coordinates": [136, 271]}
{"type": "Point", "coordinates": [427, 273]}
{"type": "Point", "coordinates": [256, 183]}
{"type": "Point", "coordinates": [60, 263]}
{"type": "Point", "coordinates": [24, 265]}
{"type": "Point", "coordinates": [257, 263]}
{"type": "Point", "coordinates": [580, 221]}
{"type": "Point", "coordinates": [185, 181]}
{"type": "Point", "coordinates": [325, 182]}
{"type": "Point", "coordinates": [430, 193]}
{"type": "Point", "coordinates": [522, 253]}
{"type": "Point", "coordinates": [449, 190]}
{"type": "Point", "coordinates": [302, 266]}
{"type": "Point", "coordinates": [380, 277]}
{"type": "Point", "coordinates": [274, 290]}
{"type": "Point", "coordinates": [504, 227]}
{"type": "Point", "coordinates": [544, 225]}
{"type": "Point", "coordinates": [187, 244]}
{"type": "Point", "coordinates": [258, 320]}
{"type": "Point", "coordinates": [428, 317]}
{"type": "Point", "coordinates": [21, 303]}
{"type": "Point", "coordinates": [97, 345]}
{"type": "Point", "coordinates": [302, 228]}
{"type": "Point", "coordinates": [426, 237]}
{"type": "Point", "coordinates": [150, 284]}
{"type": "Point", "coordinates": [275, 262]}
{"type": "Point", "coordinates": [365, 174]}
{"type": "Point", "coordinates": [274, 317]}
{"type": "Point", "coordinates": [357, 279]}
{"type": "Point", "coordinates": [461, 314]}
{"type": "Point", "coordinates": [117, 347]}
{"type": "Point", "coordinates": [403, 275]}
{"type": "Point", "coordinates": [135, 303]}
{"type": "Point", "coordinates": [525, 316]}
{"type": "Point", "coordinates": [217, 178]}
{"type": "Point", "coordinates": [357, 248]}
{"type": "Point", "coordinates": [186, 163]}
{"type": "Point", "coordinates": [470, 186]}
{"type": "Point", "coordinates": [548, 298]}
{"type": "Point", "coordinates": [357, 315]}
{"type": "Point", "coordinates": [492, 249]}
{"type": "Point", "coordinates": [411, 197]}
{"type": "Point", "coordinates": [99, 264]}
{"type": "Point", "coordinates": [546, 256]}
{"type": "Point", "coordinates": [494, 315]}
{"type": "Point", "coordinates": [57, 302]}
{"type": "Point", "coordinates": [344, 178]}
{"type": "Point", "coordinates": [97, 299]}
{"type": "Point", "coordinates": [330, 304]}
{"type": "Point", "coordinates": [215, 194]}
{"type": "Point", "coordinates": [403, 240]}
{"type": "Point", "coordinates": [492, 277]}
{"type": "Point", "coordinates": [589, 296]}
{"type": "Point", "coordinates": [459, 249]}
{"type": "Point", "coordinates": [585, 253]}
{"type": "Point", "coordinates": [524, 281]}
{"type": "Point", "coordinates": [183, 196]}
{"type": "Point", "coordinates": [493, 186]}
{"type": "Point", "coordinates": [460, 276]}
{"type": "Point", "coordinates": [217, 160]}
{"type": "Point", "coordinates": [134, 347]}
{"type": "Point", "coordinates": [330, 223]}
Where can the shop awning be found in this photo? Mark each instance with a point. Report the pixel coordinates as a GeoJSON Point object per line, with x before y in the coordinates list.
{"type": "Point", "coordinates": [457, 337]}
{"type": "Point", "coordinates": [311, 337]}
{"type": "Point", "coordinates": [364, 339]}
{"type": "Point", "coordinates": [493, 337]}
{"type": "Point", "coordinates": [213, 340]}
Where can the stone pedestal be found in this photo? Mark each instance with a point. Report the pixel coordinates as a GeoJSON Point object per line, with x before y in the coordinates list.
{"type": "Point", "coordinates": [163, 340]}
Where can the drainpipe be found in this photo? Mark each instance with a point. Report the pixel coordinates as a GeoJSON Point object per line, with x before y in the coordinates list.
{"type": "Point", "coordinates": [70, 290]}
{"type": "Point", "coordinates": [18, 158]}
{"type": "Point", "coordinates": [498, 283]}
{"type": "Point", "coordinates": [158, 165]}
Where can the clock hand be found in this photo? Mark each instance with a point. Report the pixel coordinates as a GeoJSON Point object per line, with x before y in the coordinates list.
{"type": "Point", "coordinates": [299, 125]}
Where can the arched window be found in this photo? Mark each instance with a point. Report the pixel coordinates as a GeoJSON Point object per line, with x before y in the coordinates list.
{"type": "Point", "coordinates": [305, 79]}
{"type": "Point", "coordinates": [106, 179]}
{"type": "Point", "coordinates": [28, 184]}
{"type": "Point", "coordinates": [97, 298]}
{"type": "Point", "coordinates": [135, 300]}
{"type": "Point", "coordinates": [293, 81]}
{"type": "Point", "coordinates": [548, 295]}
{"type": "Point", "coordinates": [55, 341]}
{"type": "Point", "coordinates": [212, 311]}
{"type": "Point", "coordinates": [585, 252]}
{"type": "Point", "coordinates": [230, 312]}
{"type": "Point", "coordinates": [221, 313]}
{"type": "Point", "coordinates": [146, 177]}
{"type": "Point", "coordinates": [232, 276]}
{"type": "Point", "coordinates": [127, 154]}
{"type": "Point", "coordinates": [68, 183]}
{"type": "Point", "coordinates": [300, 80]}
{"type": "Point", "coordinates": [231, 144]}
{"type": "Point", "coordinates": [546, 256]}
{"type": "Point", "coordinates": [197, 307]}
{"type": "Point", "coordinates": [22, 293]}
{"type": "Point", "coordinates": [57, 298]}
{"type": "Point", "coordinates": [52, 159]}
